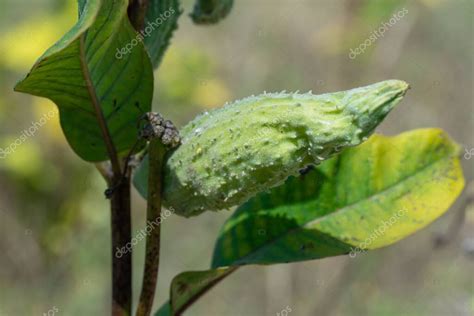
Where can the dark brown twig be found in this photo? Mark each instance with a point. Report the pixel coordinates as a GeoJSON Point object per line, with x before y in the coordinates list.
{"type": "Point", "coordinates": [121, 236]}
{"type": "Point", "coordinates": [152, 256]}
{"type": "Point", "coordinates": [161, 135]}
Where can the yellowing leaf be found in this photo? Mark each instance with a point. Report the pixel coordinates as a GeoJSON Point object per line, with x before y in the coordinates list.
{"type": "Point", "coordinates": [367, 197]}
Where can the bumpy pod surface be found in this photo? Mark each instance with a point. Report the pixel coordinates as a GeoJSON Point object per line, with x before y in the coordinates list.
{"type": "Point", "coordinates": [230, 154]}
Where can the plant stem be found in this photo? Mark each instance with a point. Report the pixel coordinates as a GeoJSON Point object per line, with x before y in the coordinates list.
{"type": "Point", "coordinates": [156, 152]}
{"type": "Point", "coordinates": [121, 262]}
{"type": "Point", "coordinates": [121, 259]}
{"type": "Point", "coordinates": [121, 222]}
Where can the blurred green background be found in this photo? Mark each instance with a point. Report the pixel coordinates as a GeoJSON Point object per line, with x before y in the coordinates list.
{"type": "Point", "coordinates": [54, 220]}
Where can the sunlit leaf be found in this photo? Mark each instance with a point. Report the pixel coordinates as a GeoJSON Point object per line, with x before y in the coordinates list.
{"type": "Point", "coordinates": [368, 197]}
{"type": "Point", "coordinates": [407, 181]}
{"type": "Point", "coordinates": [100, 90]}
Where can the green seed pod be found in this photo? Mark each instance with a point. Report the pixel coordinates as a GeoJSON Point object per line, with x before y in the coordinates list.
{"type": "Point", "coordinates": [230, 154]}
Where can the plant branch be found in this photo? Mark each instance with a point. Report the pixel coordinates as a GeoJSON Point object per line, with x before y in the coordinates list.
{"type": "Point", "coordinates": [161, 135]}
{"type": "Point", "coordinates": [156, 151]}
{"type": "Point", "coordinates": [119, 204]}
{"type": "Point", "coordinates": [121, 257]}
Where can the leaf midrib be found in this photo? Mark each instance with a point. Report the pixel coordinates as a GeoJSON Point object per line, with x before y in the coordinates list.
{"type": "Point", "coordinates": [111, 150]}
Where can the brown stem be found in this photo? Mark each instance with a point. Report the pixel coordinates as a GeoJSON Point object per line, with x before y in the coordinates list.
{"type": "Point", "coordinates": [120, 204]}
{"type": "Point", "coordinates": [156, 152]}
{"type": "Point", "coordinates": [121, 256]}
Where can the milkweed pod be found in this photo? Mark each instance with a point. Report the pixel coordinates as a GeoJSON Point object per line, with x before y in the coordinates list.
{"type": "Point", "coordinates": [230, 154]}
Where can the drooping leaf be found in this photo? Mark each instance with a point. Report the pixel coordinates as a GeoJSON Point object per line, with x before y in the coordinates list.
{"type": "Point", "coordinates": [408, 180]}
{"type": "Point", "coordinates": [368, 197]}
{"type": "Point", "coordinates": [99, 85]}
{"type": "Point", "coordinates": [161, 21]}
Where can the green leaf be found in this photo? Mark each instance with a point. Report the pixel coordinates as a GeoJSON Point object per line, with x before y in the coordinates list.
{"type": "Point", "coordinates": [99, 85]}
{"type": "Point", "coordinates": [407, 181]}
{"type": "Point", "coordinates": [211, 11]}
{"type": "Point", "coordinates": [188, 287]}
{"type": "Point", "coordinates": [161, 21]}
{"type": "Point", "coordinates": [165, 310]}
{"type": "Point", "coordinates": [367, 197]}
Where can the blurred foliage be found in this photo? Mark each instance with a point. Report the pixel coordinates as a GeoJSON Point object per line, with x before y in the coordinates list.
{"type": "Point", "coordinates": [186, 79]}
{"type": "Point", "coordinates": [54, 245]}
